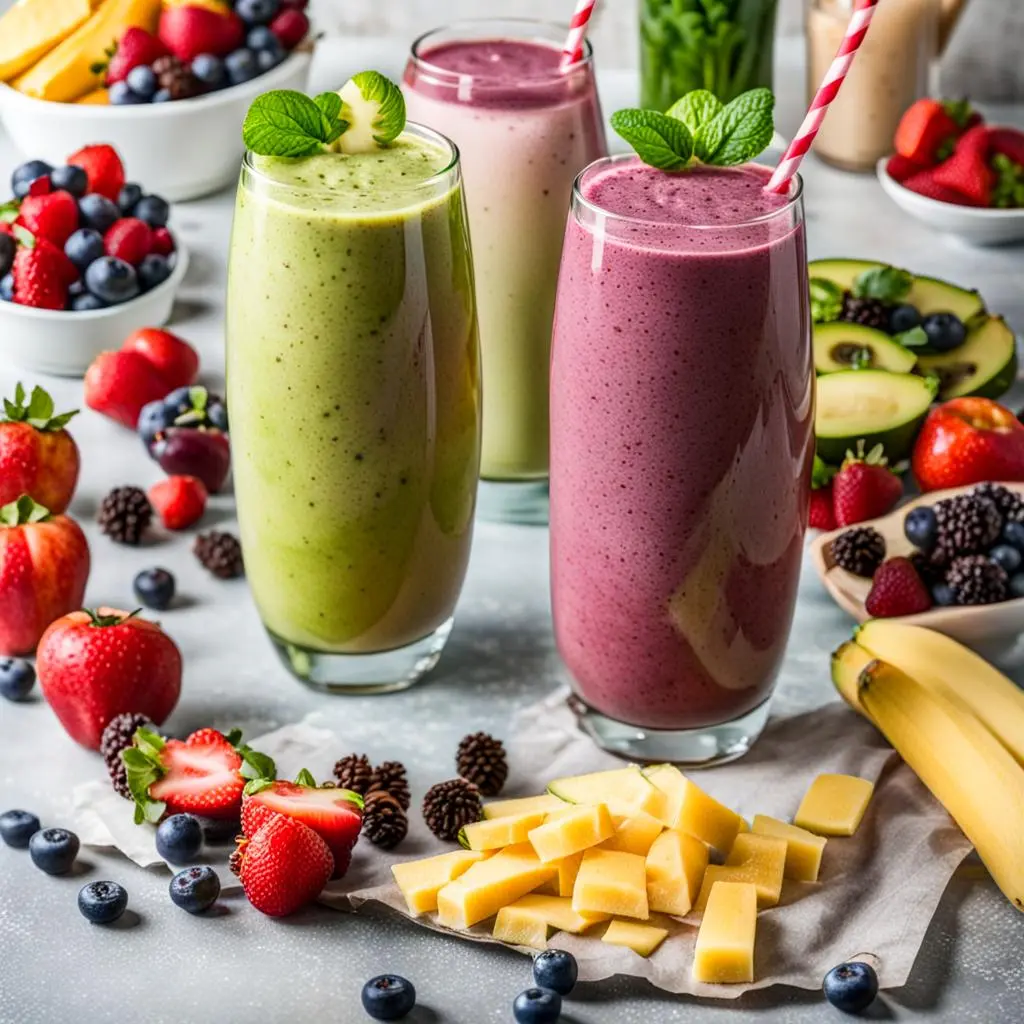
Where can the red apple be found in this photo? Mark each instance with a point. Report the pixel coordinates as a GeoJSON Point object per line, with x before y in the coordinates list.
{"type": "Point", "coordinates": [44, 565]}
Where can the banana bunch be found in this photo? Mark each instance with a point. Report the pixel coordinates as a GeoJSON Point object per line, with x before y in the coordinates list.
{"type": "Point", "coordinates": [957, 722]}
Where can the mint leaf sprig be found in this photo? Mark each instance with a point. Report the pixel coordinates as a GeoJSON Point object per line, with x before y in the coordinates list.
{"type": "Point", "coordinates": [699, 129]}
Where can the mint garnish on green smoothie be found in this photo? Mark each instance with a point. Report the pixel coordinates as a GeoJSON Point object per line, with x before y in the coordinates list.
{"type": "Point", "coordinates": [700, 129]}
{"type": "Point", "coordinates": [367, 113]}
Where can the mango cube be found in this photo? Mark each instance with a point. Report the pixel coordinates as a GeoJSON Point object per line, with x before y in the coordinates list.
{"type": "Point", "coordinates": [521, 805]}
{"type": "Point", "coordinates": [490, 885]}
{"type": "Point", "coordinates": [622, 790]}
{"type": "Point", "coordinates": [519, 929]}
{"type": "Point", "coordinates": [759, 860]}
{"type": "Point", "coordinates": [803, 848]}
{"type": "Point", "coordinates": [421, 880]}
{"type": "Point", "coordinates": [563, 882]}
{"type": "Point", "coordinates": [689, 809]}
{"type": "Point", "coordinates": [724, 953]}
{"type": "Point", "coordinates": [555, 911]}
{"type": "Point", "coordinates": [675, 868]}
{"type": "Point", "coordinates": [568, 833]}
{"type": "Point", "coordinates": [641, 938]}
{"type": "Point", "coordinates": [834, 805]}
{"type": "Point", "coordinates": [611, 882]}
{"type": "Point", "coordinates": [634, 834]}
{"type": "Point", "coordinates": [494, 833]}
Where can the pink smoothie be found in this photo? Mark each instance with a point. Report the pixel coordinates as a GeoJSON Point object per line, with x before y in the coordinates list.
{"type": "Point", "coordinates": [681, 441]}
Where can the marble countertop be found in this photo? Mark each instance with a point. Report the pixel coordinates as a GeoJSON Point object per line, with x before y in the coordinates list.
{"type": "Point", "coordinates": [240, 966]}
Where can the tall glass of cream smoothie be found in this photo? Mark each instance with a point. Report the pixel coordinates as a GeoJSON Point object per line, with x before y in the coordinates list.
{"type": "Point", "coordinates": [353, 378]}
{"type": "Point", "coordinates": [681, 447]}
{"type": "Point", "coordinates": [525, 129]}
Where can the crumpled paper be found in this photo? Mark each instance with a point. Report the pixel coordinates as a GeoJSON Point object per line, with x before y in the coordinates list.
{"type": "Point", "coordinates": [878, 889]}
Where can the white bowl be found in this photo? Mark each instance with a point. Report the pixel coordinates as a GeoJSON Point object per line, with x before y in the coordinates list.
{"type": "Point", "coordinates": [178, 150]}
{"type": "Point", "coordinates": [64, 343]}
{"type": "Point", "coordinates": [972, 224]}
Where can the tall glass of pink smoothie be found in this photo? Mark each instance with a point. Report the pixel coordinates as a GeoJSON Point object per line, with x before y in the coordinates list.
{"type": "Point", "coordinates": [681, 449]}
{"type": "Point", "coordinates": [525, 129]}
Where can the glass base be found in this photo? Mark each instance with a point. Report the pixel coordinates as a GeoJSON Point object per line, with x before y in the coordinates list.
{"type": "Point", "coordinates": [513, 501]}
{"type": "Point", "coordinates": [362, 674]}
{"type": "Point", "coordinates": [694, 748]}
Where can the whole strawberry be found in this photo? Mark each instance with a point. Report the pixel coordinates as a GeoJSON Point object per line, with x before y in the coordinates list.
{"type": "Point", "coordinates": [821, 514]}
{"type": "Point", "coordinates": [95, 665]}
{"type": "Point", "coordinates": [187, 31]}
{"type": "Point", "coordinates": [38, 457]}
{"type": "Point", "coordinates": [179, 500]}
{"type": "Point", "coordinates": [103, 168]}
{"type": "Point", "coordinates": [897, 589]}
{"type": "Point", "coordinates": [135, 48]}
{"type": "Point", "coordinates": [967, 171]}
{"type": "Point", "coordinates": [41, 272]}
{"type": "Point", "coordinates": [53, 216]}
{"type": "Point", "coordinates": [865, 487]}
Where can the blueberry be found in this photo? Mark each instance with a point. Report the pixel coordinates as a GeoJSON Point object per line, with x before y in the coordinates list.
{"type": "Point", "coordinates": [98, 212]}
{"type": "Point", "coordinates": [155, 416]}
{"type": "Point", "coordinates": [537, 1006]}
{"type": "Point", "coordinates": [112, 280]}
{"type": "Point", "coordinates": [142, 81]}
{"type": "Point", "coordinates": [217, 414]}
{"type": "Point", "coordinates": [1017, 585]}
{"type": "Point", "coordinates": [851, 987]}
{"type": "Point", "coordinates": [257, 12]}
{"type": "Point", "coordinates": [921, 528]}
{"type": "Point", "coordinates": [1013, 534]}
{"type": "Point", "coordinates": [53, 850]}
{"type": "Point", "coordinates": [162, 96]}
{"type": "Point", "coordinates": [219, 830]}
{"type": "Point", "coordinates": [85, 246]}
{"type": "Point", "coordinates": [555, 969]}
{"type": "Point", "coordinates": [242, 66]}
{"type": "Point", "coordinates": [86, 303]}
{"type": "Point", "coordinates": [17, 828]}
{"type": "Point", "coordinates": [945, 331]}
{"type": "Point", "coordinates": [76, 288]}
{"type": "Point", "coordinates": [17, 677]}
{"type": "Point", "coordinates": [153, 270]}
{"type": "Point", "coordinates": [268, 59]}
{"type": "Point", "coordinates": [943, 596]}
{"type": "Point", "coordinates": [120, 94]}
{"type": "Point", "coordinates": [195, 889]}
{"type": "Point", "coordinates": [102, 902]}
{"type": "Point", "coordinates": [388, 997]}
{"type": "Point", "coordinates": [209, 69]}
{"type": "Point", "coordinates": [261, 38]}
{"type": "Point", "coordinates": [25, 174]}
{"type": "Point", "coordinates": [179, 838]}
{"type": "Point", "coordinates": [129, 195]}
{"type": "Point", "coordinates": [7, 288]}
{"type": "Point", "coordinates": [1006, 556]}
{"type": "Point", "coordinates": [153, 210]}
{"type": "Point", "coordinates": [155, 589]}
{"type": "Point", "coordinates": [179, 400]}
{"type": "Point", "coordinates": [8, 247]}
{"type": "Point", "coordinates": [903, 318]}
{"type": "Point", "coordinates": [70, 179]}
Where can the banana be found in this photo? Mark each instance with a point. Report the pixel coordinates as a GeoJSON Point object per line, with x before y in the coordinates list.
{"type": "Point", "coordinates": [848, 661]}
{"type": "Point", "coordinates": [966, 768]}
{"type": "Point", "coordinates": [942, 664]}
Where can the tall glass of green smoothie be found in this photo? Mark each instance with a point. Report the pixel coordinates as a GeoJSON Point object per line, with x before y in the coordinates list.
{"type": "Point", "coordinates": [354, 383]}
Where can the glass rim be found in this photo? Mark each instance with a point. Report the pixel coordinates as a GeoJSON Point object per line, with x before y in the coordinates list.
{"type": "Point", "coordinates": [793, 199]}
{"type": "Point", "coordinates": [414, 128]}
{"type": "Point", "coordinates": [554, 27]}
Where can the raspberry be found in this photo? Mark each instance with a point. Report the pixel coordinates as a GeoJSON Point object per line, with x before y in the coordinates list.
{"type": "Point", "coordinates": [897, 589]}
{"type": "Point", "coordinates": [129, 239]}
{"type": "Point", "coordinates": [290, 27]}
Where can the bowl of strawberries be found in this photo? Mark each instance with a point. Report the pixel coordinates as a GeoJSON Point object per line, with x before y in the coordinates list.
{"type": "Point", "coordinates": [85, 255]}
{"type": "Point", "coordinates": [957, 174]}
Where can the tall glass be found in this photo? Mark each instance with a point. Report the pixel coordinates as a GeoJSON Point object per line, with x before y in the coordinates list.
{"type": "Point", "coordinates": [682, 401]}
{"type": "Point", "coordinates": [353, 384]}
{"type": "Point", "coordinates": [525, 130]}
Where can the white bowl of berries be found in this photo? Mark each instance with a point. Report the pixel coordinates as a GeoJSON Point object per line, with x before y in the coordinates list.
{"type": "Point", "coordinates": [172, 100]}
{"type": "Point", "coordinates": [84, 257]}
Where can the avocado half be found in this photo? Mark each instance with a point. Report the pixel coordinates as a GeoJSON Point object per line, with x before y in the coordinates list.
{"type": "Point", "coordinates": [840, 345]}
{"type": "Point", "coordinates": [984, 365]}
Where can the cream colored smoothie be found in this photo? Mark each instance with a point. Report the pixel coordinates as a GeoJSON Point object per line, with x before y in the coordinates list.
{"type": "Point", "coordinates": [352, 369]}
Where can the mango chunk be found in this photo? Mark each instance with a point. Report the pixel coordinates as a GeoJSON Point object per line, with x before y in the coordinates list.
{"type": "Point", "coordinates": [494, 833]}
{"type": "Point", "coordinates": [622, 790]}
{"type": "Point", "coordinates": [689, 809]}
{"type": "Point", "coordinates": [522, 805]}
{"type": "Point", "coordinates": [611, 882]}
{"type": "Point", "coordinates": [759, 860]}
{"type": "Point", "coordinates": [519, 929]}
{"type": "Point", "coordinates": [553, 912]}
{"type": "Point", "coordinates": [421, 880]}
{"type": "Point", "coordinates": [563, 882]}
{"type": "Point", "coordinates": [675, 868]}
{"type": "Point", "coordinates": [834, 805]}
{"type": "Point", "coordinates": [641, 938]}
{"type": "Point", "coordinates": [803, 848]}
{"type": "Point", "coordinates": [490, 885]}
{"type": "Point", "coordinates": [634, 834]}
{"type": "Point", "coordinates": [724, 953]}
{"type": "Point", "coordinates": [564, 834]}
{"type": "Point", "coordinates": [31, 28]}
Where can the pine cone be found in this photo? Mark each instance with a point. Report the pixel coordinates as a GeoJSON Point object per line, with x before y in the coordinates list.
{"type": "Point", "coordinates": [450, 805]}
{"type": "Point", "coordinates": [481, 759]}
{"type": "Point", "coordinates": [117, 736]}
{"type": "Point", "coordinates": [176, 78]}
{"type": "Point", "coordinates": [384, 821]}
{"type": "Point", "coordinates": [354, 772]}
{"type": "Point", "coordinates": [390, 777]}
{"type": "Point", "coordinates": [220, 553]}
{"type": "Point", "coordinates": [125, 514]}
{"type": "Point", "coordinates": [869, 312]}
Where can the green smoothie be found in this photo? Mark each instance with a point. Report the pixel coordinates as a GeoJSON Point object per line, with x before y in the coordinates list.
{"type": "Point", "coordinates": [353, 386]}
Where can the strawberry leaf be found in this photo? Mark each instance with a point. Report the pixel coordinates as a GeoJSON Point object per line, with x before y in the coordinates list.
{"type": "Point", "coordinates": [9, 211]}
{"type": "Point", "coordinates": [255, 766]}
{"type": "Point", "coordinates": [142, 770]}
{"type": "Point", "coordinates": [257, 786]}
{"type": "Point", "coordinates": [23, 512]}
{"type": "Point", "coordinates": [98, 621]}
{"type": "Point", "coordinates": [37, 412]}
{"type": "Point", "coordinates": [821, 475]}
{"type": "Point", "coordinates": [305, 778]}
{"type": "Point", "coordinates": [353, 798]}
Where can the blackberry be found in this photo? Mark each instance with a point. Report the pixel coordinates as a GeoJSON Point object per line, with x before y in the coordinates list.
{"type": "Point", "coordinates": [177, 78]}
{"type": "Point", "coordinates": [860, 551]}
{"type": "Point", "coordinates": [869, 312]}
{"type": "Point", "coordinates": [220, 553]}
{"type": "Point", "coordinates": [967, 525]}
{"type": "Point", "coordinates": [975, 579]}
{"type": "Point", "coordinates": [1009, 503]}
{"type": "Point", "coordinates": [481, 759]}
{"type": "Point", "coordinates": [118, 736]}
{"type": "Point", "coordinates": [125, 514]}
{"type": "Point", "coordinates": [931, 568]}
{"type": "Point", "coordinates": [450, 805]}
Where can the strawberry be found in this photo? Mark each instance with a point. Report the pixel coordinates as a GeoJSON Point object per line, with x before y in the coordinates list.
{"type": "Point", "coordinates": [53, 216]}
{"type": "Point", "coordinates": [967, 170]}
{"type": "Point", "coordinates": [924, 184]}
{"type": "Point", "coordinates": [290, 27]}
{"type": "Point", "coordinates": [188, 31]}
{"type": "Point", "coordinates": [136, 47]}
{"type": "Point", "coordinates": [926, 133]}
{"type": "Point", "coordinates": [129, 239]}
{"type": "Point", "coordinates": [284, 866]}
{"type": "Point", "coordinates": [96, 665]}
{"type": "Point", "coordinates": [865, 487]}
{"type": "Point", "coordinates": [822, 515]}
{"type": "Point", "coordinates": [172, 357]}
{"type": "Point", "coordinates": [334, 814]}
{"type": "Point", "coordinates": [180, 501]}
{"type": "Point", "coordinates": [163, 242]}
{"type": "Point", "coordinates": [42, 273]}
{"type": "Point", "coordinates": [1008, 142]}
{"type": "Point", "coordinates": [103, 167]}
{"type": "Point", "coordinates": [119, 384]}
{"type": "Point", "coordinates": [899, 168]}
{"type": "Point", "coordinates": [897, 589]}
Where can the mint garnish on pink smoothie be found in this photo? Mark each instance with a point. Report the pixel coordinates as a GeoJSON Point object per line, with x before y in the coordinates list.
{"type": "Point", "coordinates": [700, 129]}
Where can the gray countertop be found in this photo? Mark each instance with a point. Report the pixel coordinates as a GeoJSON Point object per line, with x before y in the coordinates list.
{"type": "Point", "coordinates": [240, 966]}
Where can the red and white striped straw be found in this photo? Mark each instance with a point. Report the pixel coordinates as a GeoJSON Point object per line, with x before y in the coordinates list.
{"type": "Point", "coordinates": [572, 52]}
{"type": "Point", "coordinates": [827, 92]}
